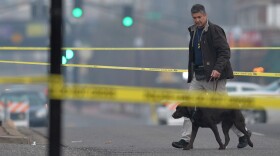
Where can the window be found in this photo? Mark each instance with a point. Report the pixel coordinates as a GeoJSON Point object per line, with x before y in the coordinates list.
{"type": "Point", "coordinates": [248, 89]}
{"type": "Point", "coordinates": [33, 98]}
{"type": "Point", "coordinates": [231, 89]}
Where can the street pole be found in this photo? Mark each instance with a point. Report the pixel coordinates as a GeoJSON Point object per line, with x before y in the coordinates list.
{"type": "Point", "coordinates": [237, 55]}
{"type": "Point", "coordinates": [76, 43]}
{"type": "Point", "coordinates": [138, 42]}
{"type": "Point", "coordinates": [237, 32]}
{"type": "Point", "coordinates": [56, 40]}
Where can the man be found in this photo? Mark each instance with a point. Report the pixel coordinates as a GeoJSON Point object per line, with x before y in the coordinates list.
{"type": "Point", "coordinates": [209, 66]}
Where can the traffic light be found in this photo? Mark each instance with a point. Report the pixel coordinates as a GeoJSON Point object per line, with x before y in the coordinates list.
{"type": "Point", "coordinates": [77, 10]}
{"type": "Point", "coordinates": [68, 55]}
{"type": "Point", "coordinates": [127, 18]}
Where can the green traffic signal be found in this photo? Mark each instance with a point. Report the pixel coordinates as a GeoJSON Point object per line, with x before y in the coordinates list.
{"type": "Point", "coordinates": [64, 60]}
{"type": "Point", "coordinates": [69, 54]}
{"type": "Point", "coordinates": [127, 21]}
{"type": "Point", "coordinates": [77, 12]}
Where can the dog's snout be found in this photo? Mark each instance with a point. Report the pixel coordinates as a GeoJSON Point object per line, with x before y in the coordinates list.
{"type": "Point", "coordinates": [176, 115]}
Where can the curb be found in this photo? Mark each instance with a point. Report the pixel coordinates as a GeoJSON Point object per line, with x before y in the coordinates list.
{"type": "Point", "coordinates": [10, 134]}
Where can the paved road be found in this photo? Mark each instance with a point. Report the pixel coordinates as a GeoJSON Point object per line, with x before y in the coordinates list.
{"type": "Point", "coordinates": [99, 134]}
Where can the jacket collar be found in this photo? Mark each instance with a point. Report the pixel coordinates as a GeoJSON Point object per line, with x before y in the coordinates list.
{"type": "Point", "coordinates": [194, 27]}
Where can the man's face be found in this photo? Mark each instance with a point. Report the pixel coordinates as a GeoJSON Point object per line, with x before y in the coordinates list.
{"type": "Point", "coordinates": [200, 19]}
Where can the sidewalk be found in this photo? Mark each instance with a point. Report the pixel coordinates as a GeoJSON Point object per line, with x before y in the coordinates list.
{"type": "Point", "coordinates": [10, 134]}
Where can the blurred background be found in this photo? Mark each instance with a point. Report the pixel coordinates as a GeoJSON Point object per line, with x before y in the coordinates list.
{"type": "Point", "coordinates": [137, 23]}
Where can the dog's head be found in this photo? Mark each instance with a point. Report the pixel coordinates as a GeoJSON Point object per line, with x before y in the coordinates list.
{"type": "Point", "coordinates": [181, 112]}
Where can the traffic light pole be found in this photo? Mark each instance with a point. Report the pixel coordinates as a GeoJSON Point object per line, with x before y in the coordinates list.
{"type": "Point", "coordinates": [56, 40]}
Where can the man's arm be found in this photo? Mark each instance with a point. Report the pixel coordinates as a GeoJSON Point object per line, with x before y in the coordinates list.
{"type": "Point", "coordinates": [222, 49]}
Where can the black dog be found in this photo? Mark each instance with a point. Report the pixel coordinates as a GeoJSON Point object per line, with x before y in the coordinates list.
{"type": "Point", "coordinates": [208, 117]}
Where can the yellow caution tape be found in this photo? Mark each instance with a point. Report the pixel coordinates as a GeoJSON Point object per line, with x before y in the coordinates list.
{"type": "Point", "coordinates": [98, 48]}
{"type": "Point", "coordinates": [24, 62]}
{"type": "Point", "coordinates": [98, 66]}
{"type": "Point", "coordinates": [24, 80]}
{"type": "Point", "coordinates": [127, 68]}
{"type": "Point", "coordinates": [237, 73]}
{"type": "Point", "coordinates": [130, 48]}
{"type": "Point", "coordinates": [141, 95]}
{"type": "Point", "coordinates": [157, 95]}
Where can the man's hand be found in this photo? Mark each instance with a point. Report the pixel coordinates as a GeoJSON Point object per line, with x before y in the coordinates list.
{"type": "Point", "coordinates": [215, 74]}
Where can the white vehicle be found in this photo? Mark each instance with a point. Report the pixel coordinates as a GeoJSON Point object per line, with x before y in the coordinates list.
{"type": "Point", "coordinates": [24, 107]}
{"type": "Point", "coordinates": [164, 114]}
{"type": "Point", "coordinates": [241, 87]}
{"type": "Point", "coordinates": [265, 115]}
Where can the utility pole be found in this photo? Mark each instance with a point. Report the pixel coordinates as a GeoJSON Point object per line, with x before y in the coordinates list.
{"type": "Point", "coordinates": [56, 40]}
{"type": "Point", "coordinates": [237, 32]}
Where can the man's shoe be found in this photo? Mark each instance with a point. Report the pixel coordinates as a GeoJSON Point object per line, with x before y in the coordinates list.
{"type": "Point", "coordinates": [243, 141]}
{"type": "Point", "coordinates": [180, 144]}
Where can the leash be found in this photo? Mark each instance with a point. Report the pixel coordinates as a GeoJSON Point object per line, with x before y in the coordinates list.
{"type": "Point", "coordinates": [215, 83]}
{"type": "Point", "coordinates": [215, 86]}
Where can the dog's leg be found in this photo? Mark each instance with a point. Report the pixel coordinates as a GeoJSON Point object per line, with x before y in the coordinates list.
{"type": "Point", "coordinates": [217, 136]}
{"type": "Point", "coordinates": [226, 125]}
{"type": "Point", "coordinates": [194, 132]}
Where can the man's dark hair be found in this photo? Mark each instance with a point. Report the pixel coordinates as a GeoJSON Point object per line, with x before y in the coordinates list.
{"type": "Point", "coordinates": [198, 8]}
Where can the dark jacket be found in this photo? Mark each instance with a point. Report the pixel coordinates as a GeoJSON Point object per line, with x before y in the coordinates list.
{"type": "Point", "coordinates": [215, 52]}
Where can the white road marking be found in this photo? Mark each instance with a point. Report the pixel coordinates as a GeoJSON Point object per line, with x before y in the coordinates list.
{"type": "Point", "coordinates": [259, 134]}
{"type": "Point", "coordinates": [77, 141]}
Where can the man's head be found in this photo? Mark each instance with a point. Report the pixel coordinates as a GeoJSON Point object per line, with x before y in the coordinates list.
{"type": "Point", "coordinates": [199, 15]}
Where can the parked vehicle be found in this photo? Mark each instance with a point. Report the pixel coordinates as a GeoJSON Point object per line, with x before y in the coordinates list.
{"type": "Point", "coordinates": [242, 88]}
{"type": "Point", "coordinates": [266, 115]}
{"type": "Point", "coordinates": [37, 106]}
{"type": "Point", "coordinates": [164, 113]}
